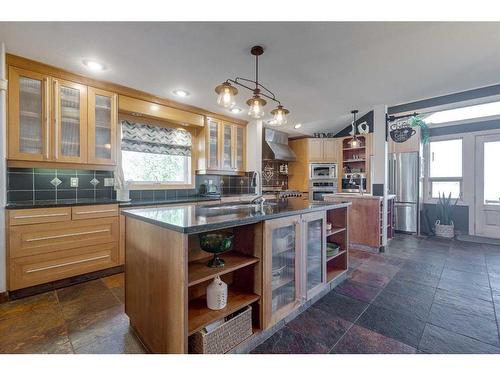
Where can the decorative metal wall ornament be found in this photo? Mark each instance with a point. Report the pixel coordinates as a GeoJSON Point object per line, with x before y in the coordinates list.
{"type": "Point", "coordinates": [226, 93]}
{"type": "Point", "coordinates": [402, 128]}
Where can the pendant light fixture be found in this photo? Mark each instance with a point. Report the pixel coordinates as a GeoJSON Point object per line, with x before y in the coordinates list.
{"type": "Point", "coordinates": [226, 93]}
{"type": "Point", "coordinates": [354, 141]}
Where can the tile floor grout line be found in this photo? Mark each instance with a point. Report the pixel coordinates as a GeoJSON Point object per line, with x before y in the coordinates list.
{"type": "Point", "coordinates": [432, 304]}
{"type": "Point", "coordinates": [493, 300]}
{"type": "Point", "coordinates": [64, 322]}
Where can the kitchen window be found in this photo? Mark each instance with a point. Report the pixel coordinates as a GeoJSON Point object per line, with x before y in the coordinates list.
{"type": "Point", "coordinates": [155, 155]}
{"type": "Point", "coordinates": [445, 168]}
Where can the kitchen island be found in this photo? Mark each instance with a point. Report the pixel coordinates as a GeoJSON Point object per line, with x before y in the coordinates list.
{"type": "Point", "coordinates": [366, 213]}
{"type": "Point", "coordinates": [278, 263]}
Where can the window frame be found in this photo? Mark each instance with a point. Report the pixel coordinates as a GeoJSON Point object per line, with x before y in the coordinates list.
{"type": "Point", "coordinates": [153, 185]}
{"type": "Point", "coordinates": [428, 180]}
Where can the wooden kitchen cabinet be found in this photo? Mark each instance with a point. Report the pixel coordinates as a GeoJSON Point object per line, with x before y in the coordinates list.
{"type": "Point", "coordinates": [48, 244]}
{"type": "Point", "coordinates": [69, 112]}
{"type": "Point", "coordinates": [102, 127]}
{"type": "Point", "coordinates": [29, 115]}
{"type": "Point", "coordinates": [282, 268]}
{"type": "Point", "coordinates": [59, 121]}
{"type": "Point", "coordinates": [224, 148]}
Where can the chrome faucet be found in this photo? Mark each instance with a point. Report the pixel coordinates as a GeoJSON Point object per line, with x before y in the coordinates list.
{"type": "Point", "coordinates": [256, 182]}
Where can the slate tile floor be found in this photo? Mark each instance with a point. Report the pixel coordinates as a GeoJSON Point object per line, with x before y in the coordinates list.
{"type": "Point", "coordinates": [423, 295]}
{"type": "Point", "coordinates": [420, 296]}
{"type": "Point", "coordinates": [84, 318]}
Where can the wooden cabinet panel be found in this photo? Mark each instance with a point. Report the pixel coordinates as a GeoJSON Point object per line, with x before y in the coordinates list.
{"type": "Point", "coordinates": [330, 151]}
{"type": "Point", "coordinates": [45, 238]}
{"type": "Point", "coordinates": [29, 116]}
{"type": "Point", "coordinates": [42, 268]}
{"type": "Point", "coordinates": [69, 121]}
{"type": "Point", "coordinates": [39, 215]}
{"type": "Point", "coordinates": [316, 149]}
{"type": "Point", "coordinates": [94, 212]}
{"type": "Point", "coordinates": [102, 127]}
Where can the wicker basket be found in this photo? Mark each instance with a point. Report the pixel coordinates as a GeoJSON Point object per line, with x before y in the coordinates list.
{"type": "Point", "coordinates": [225, 337]}
{"type": "Point", "coordinates": [447, 231]}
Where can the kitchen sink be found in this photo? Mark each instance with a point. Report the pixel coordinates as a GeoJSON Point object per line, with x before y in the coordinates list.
{"type": "Point", "coordinates": [236, 205]}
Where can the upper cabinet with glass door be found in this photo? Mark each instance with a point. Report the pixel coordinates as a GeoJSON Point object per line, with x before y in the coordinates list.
{"type": "Point", "coordinates": [70, 121]}
{"type": "Point", "coordinates": [29, 116]}
{"type": "Point", "coordinates": [224, 147]}
{"type": "Point", "coordinates": [102, 125]}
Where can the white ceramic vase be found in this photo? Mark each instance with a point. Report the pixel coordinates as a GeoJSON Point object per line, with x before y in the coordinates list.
{"type": "Point", "coordinates": [217, 294]}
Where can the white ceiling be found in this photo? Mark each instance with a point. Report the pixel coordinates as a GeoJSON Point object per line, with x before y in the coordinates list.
{"type": "Point", "coordinates": [320, 71]}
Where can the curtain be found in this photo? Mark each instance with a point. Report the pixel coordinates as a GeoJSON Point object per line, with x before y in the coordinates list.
{"type": "Point", "coordinates": [155, 140]}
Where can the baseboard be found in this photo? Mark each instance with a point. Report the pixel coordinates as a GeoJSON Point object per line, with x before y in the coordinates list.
{"type": "Point", "coordinates": [42, 288]}
{"type": "Point", "coordinates": [4, 297]}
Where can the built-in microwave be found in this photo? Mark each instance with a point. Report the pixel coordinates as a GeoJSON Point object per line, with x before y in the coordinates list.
{"type": "Point", "coordinates": [322, 171]}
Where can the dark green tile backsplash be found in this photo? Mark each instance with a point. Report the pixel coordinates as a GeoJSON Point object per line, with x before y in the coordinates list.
{"type": "Point", "coordinates": [24, 184]}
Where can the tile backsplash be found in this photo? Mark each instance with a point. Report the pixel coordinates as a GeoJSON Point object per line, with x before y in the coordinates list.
{"type": "Point", "coordinates": [271, 175]}
{"type": "Point", "coordinates": [24, 184]}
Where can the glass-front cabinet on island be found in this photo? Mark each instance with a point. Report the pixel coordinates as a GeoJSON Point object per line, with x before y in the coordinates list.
{"type": "Point", "coordinates": [282, 267]}
{"type": "Point", "coordinates": [224, 146]}
{"type": "Point", "coordinates": [55, 120]}
{"type": "Point", "coordinates": [315, 253]}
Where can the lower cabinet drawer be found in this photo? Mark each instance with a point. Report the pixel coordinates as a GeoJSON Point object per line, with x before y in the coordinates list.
{"type": "Point", "coordinates": [43, 268]}
{"type": "Point", "coordinates": [94, 212]}
{"type": "Point", "coordinates": [36, 239]}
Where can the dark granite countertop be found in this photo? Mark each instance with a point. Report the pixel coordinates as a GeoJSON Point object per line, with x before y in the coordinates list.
{"type": "Point", "coordinates": [59, 203]}
{"type": "Point", "coordinates": [91, 201]}
{"type": "Point", "coordinates": [203, 218]}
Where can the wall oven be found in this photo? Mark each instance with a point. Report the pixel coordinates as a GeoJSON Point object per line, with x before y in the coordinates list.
{"type": "Point", "coordinates": [322, 171]}
{"type": "Point", "coordinates": [318, 188]}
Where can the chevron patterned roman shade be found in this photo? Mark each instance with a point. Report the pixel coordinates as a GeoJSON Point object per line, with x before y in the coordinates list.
{"type": "Point", "coordinates": [155, 140]}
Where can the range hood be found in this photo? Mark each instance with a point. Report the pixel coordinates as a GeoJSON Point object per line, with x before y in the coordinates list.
{"type": "Point", "coordinates": [275, 146]}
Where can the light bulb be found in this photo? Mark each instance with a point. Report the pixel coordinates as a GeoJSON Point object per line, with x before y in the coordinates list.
{"type": "Point", "coordinates": [280, 115]}
{"type": "Point", "coordinates": [256, 107]}
{"type": "Point", "coordinates": [226, 94]}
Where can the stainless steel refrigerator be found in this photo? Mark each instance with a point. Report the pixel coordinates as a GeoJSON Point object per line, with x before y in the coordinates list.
{"type": "Point", "coordinates": [404, 183]}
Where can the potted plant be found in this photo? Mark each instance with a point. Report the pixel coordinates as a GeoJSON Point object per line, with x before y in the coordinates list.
{"type": "Point", "coordinates": [444, 223]}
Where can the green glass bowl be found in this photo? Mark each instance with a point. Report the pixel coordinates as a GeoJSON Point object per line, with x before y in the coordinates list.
{"type": "Point", "coordinates": [216, 243]}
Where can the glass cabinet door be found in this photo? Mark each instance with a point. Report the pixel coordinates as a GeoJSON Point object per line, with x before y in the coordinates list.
{"type": "Point", "coordinates": [314, 241]}
{"type": "Point", "coordinates": [102, 127]}
{"type": "Point", "coordinates": [227, 147]}
{"type": "Point", "coordinates": [239, 148]}
{"type": "Point", "coordinates": [212, 144]}
{"type": "Point", "coordinates": [70, 122]}
{"type": "Point", "coordinates": [29, 129]}
{"type": "Point", "coordinates": [282, 252]}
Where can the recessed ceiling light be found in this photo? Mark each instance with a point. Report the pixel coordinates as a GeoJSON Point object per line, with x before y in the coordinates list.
{"type": "Point", "coordinates": [94, 65]}
{"type": "Point", "coordinates": [181, 93]}
{"type": "Point", "coordinates": [235, 110]}
{"type": "Point", "coordinates": [297, 126]}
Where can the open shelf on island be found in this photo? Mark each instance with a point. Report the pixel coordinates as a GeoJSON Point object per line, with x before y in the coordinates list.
{"type": "Point", "coordinates": [333, 273]}
{"type": "Point", "coordinates": [198, 271]}
{"type": "Point", "coordinates": [199, 315]}
{"type": "Point", "coordinates": [334, 230]}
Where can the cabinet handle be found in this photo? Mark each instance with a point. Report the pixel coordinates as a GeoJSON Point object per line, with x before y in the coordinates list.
{"type": "Point", "coordinates": [95, 212]}
{"type": "Point", "coordinates": [67, 264]}
{"type": "Point", "coordinates": [47, 117]}
{"type": "Point", "coordinates": [67, 235]}
{"type": "Point", "coordinates": [56, 120]}
{"type": "Point", "coordinates": [33, 216]}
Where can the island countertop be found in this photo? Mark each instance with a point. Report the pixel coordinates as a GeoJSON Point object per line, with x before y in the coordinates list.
{"type": "Point", "coordinates": [191, 218]}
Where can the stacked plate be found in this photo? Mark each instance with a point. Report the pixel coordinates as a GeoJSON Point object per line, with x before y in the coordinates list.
{"type": "Point", "coordinates": [332, 249]}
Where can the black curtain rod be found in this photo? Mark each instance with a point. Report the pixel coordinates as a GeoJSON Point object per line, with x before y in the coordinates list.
{"type": "Point", "coordinates": [392, 117]}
